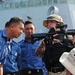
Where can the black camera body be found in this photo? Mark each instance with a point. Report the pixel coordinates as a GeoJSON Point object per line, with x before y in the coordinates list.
{"type": "Point", "coordinates": [51, 32]}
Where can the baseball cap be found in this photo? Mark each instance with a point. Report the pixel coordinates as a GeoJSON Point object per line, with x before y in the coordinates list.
{"type": "Point", "coordinates": [53, 17]}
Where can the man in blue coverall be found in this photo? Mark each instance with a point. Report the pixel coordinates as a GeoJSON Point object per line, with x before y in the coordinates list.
{"type": "Point", "coordinates": [10, 51]}
{"type": "Point", "coordinates": [30, 63]}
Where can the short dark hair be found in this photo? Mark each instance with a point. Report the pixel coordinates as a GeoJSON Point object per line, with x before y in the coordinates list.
{"type": "Point", "coordinates": [13, 20]}
{"type": "Point", "coordinates": [28, 22]}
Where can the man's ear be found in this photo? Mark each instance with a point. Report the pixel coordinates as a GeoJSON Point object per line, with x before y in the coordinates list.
{"type": "Point", "coordinates": [35, 29]}
{"type": "Point", "coordinates": [12, 26]}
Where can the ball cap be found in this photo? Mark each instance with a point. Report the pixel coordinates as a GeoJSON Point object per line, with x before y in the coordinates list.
{"type": "Point", "coordinates": [53, 17]}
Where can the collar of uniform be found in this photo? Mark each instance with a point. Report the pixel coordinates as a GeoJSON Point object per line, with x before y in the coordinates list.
{"type": "Point", "coordinates": [4, 33]}
{"type": "Point", "coordinates": [10, 41]}
{"type": "Point", "coordinates": [25, 40]}
{"type": "Point", "coordinates": [32, 41]}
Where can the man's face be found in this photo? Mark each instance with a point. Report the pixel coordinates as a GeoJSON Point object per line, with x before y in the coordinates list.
{"type": "Point", "coordinates": [17, 29]}
{"type": "Point", "coordinates": [51, 24]}
{"type": "Point", "coordinates": [29, 29]}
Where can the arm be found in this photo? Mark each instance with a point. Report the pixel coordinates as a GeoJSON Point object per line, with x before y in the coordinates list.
{"type": "Point", "coordinates": [18, 60]}
{"type": "Point", "coordinates": [68, 44]}
{"type": "Point", "coordinates": [40, 50]}
{"type": "Point", "coordinates": [1, 69]}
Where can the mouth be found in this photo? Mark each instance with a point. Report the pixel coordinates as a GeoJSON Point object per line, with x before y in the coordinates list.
{"type": "Point", "coordinates": [18, 35]}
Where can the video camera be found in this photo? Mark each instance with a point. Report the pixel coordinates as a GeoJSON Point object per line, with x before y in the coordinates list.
{"type": "Point", "coordinates": [51, 32]}
{"type": "Point", "coordinates": [49, 36]}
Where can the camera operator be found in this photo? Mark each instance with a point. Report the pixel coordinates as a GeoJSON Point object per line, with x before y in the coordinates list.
{"type": "Point", "coordinates": [54, 48]}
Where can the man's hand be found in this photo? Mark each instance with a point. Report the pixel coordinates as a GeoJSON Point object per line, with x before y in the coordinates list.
{"type": "Point", "coordinates": [1, 69]}
{"type": "Point", "coordinates": [40, 50]}
{"type": "Point", "coordinates": [55, 40]}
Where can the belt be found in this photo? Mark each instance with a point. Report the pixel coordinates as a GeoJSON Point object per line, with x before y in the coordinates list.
{"type": "Point", "coordinates": [11, 73]}
{"type": "Point", "coordinates": [56, 69]}
{"type": "Point", "coordinates": [32, 71]}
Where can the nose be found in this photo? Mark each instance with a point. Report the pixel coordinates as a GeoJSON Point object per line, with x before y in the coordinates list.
{"type": "Point", "coordinates": [30, 30]}
{"type": "Point", "coordinates": [21, 31]}
{"type": "Point", "coordinates": [49, 23]}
